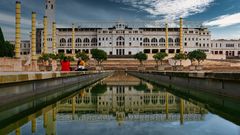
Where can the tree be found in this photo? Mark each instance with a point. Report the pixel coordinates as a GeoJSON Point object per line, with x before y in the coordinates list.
{"type": "Point", "coordinates": [141, 57]}
{"type": "Point", "coordinates": [191, 56]}
{"type": "Point", "coordinates": [53, 56]}
{"type": "Point", "coordinates": [61, 56]}
{"type": "Point", "coordinates": [83, 56]}
{"type": "Point", "coordinates": [159, 57]}
{"type": "Point", "coordinates": [6, 49]}
{"type": "Point", "coordinates": [180, 57]}
{"type": "Point", "coordinates": [99, 89]}
{"type": "Point", "coordinates": [1, 36]}
{"type": "Point", "coordinates": [198, 55]}
{"type": "Point", "coordinates": [99, 55]}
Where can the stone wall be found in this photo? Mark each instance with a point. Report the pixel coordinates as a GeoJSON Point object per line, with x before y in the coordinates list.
{"type": "Point", "coordinates": [224, 84]}
{"type": "Point", "coordinates": [23, 87]}
{"type": "Point", "coordinates": [10, 64]}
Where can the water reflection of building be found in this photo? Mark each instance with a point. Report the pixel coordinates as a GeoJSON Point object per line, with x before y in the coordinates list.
{"type": "Point", "coordinates": [130, 102]}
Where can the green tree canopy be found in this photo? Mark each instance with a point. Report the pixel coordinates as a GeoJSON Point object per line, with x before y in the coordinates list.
{"type": "Point", "coordinates": [180, 57]}
{"type": "Point", "coordinates": [83, 56]}
{"type": "Point", "coordinates": [2, 40]}
{"type": "Point", "coordinates": [159, 57]}
{"type": "Point", "coordinates": [99, 89]}
{"type": "Point", "coordinates": [99, 55]}
{"type": "Point", "coordinates": [197, 55]}
{"type": "Point", "coordinates": [6, 49]}
{"type": "Point", "coordinates": [141, 57]}
{"type": "Point", "coordinates": [191, 56]}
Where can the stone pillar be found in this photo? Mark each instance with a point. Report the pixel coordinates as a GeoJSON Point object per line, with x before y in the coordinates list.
{"type": "Point", "coordinates": [45, 119]}
{"type": "Point", "coordinates": [33, 40]}
{"type": "Point", "coordinates": [54, 113]}
{"type": "Point", "coordinates": [73, 106]}
{"type": "Point", "coordinates": [181, 35]}
{"type": "Point", "coordinates": [18, 131]}
{"type": "Point", "coordinates": [54, 38]}
{"type": "Point", "coordinates": [45, 33]}
{"type": "Point", "coordinates": [166, 102]}
{"type": "Point", "coordinates": [181, 111]}
{"type": "Point", "coordinates": [166, 36]}
{"type": "Point", "coordinates": [34, 125]}
{"type": "Point", "coordinates": [18, 29]}
{"type": "Point", "coordinates": [73, 39]}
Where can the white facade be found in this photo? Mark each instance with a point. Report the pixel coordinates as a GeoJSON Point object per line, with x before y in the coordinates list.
{"type": "Point", "coordinates": [230, 48]}
{"type": "Point", "coordinates": [50, 6]}
{"type": "Point", "coordinates": [25, 47]}
{"type": "Point", "coordinates": [122, 40]}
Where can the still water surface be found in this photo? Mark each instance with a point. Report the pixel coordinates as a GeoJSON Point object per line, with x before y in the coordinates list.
{"type": "Point", "coordinates": [118, 105]}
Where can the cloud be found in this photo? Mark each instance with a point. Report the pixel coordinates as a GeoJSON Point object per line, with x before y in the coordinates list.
{"type": "Point", "coordinates": [169, 9]}
{"type": "Point", "coordinates": [224, 20]}
{"type": "Point", "coordinates": [10, 19]}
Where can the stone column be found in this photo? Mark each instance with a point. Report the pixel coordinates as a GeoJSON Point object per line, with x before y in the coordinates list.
{"type": "Point", "coordinates": [166, 36]}
{"type": "Point", "coordinates": [181, 111]}
{"type": "Point", "coordinates": [54, 111]}
{"type": "Point", "coordinates": [18, 131]}
{"type": "Point", "coordinates": [73, 39]}
{"type": "Point", "coordinates": [18, 29]}
{"type": "Point", "coordinates": [33, 36]}
{"type": "Point", "coordinates": [34, 66]}
{"type": "Point", "coordinates": [166, 102]}
{"type": "Point", "coordinates": [34, 125]}
{"type": "Point", "coordinates": [45, 33]}
{"type": "Point", "coordinates": [73, 106]}
{"type": "Point", "coordinates": [54, 38]}
{"type": "Point", "coordinates": [181, 35]}
{"type": "Point", "coordinates": [45, 119]}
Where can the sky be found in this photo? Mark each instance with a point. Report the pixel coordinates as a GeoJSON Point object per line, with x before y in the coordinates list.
{"type": "Point", "coordinates": [222, 17]}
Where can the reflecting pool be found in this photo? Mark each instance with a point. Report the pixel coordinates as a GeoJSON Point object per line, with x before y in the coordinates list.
{"type": "Point", "coordinates": [119, 105]}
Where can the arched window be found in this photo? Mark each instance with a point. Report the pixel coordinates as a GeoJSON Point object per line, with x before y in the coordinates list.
{"type": "Point", "coordinates": [177, 41]}
{"type": "Point", "coordinates": [146, 42]}
{"type": "Point", "coordinates": [69, 42]}
{"type": "Point", "coordinates": [120, 41]}
{"type": "Point", "coordinates": [62, 42]}
{"type": "Point", "coordinates": [94, 42]}
{"type": "Point", "coordinates": [154, 42]}
{"type": "Point", "coordinates": [86, 42]}
{"type": "Point", "coordinates": [162, 42]}
{"type": "Point", "coordinates": [170, 41]}
{"type": "Point", "coordinates": [78, 42]}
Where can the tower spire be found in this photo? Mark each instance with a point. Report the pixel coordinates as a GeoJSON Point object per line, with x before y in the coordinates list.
{"type": "Point", "coordinates": [50, 7]}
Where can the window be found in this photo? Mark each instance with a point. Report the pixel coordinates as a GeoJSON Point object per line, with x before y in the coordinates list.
{"type": "Point", "coordinates": [170, 41]}
{"type": "Point", "coordinates": [146, 42]}
{"type": "Point", "coordinates": [154, 42]}
{"type": "Point", "coordinates": [69, 42]}
{"type": "Point", "coordinates": [162, 42]}
{"type": "Point", "coordinates": [94, 42]}
{"type": "Point", "coordinates": [62, 42]}
{"type": "Point", "coordinates": [86, 42]}
{"type": "Point", "coordinates": [120, 41]}
{"type": "Point", "coordinates": [229, 45]}
{"type": "Point", "coordinates": [78, 42]}
{"type": "Point", "coordinates": [52, 6]}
